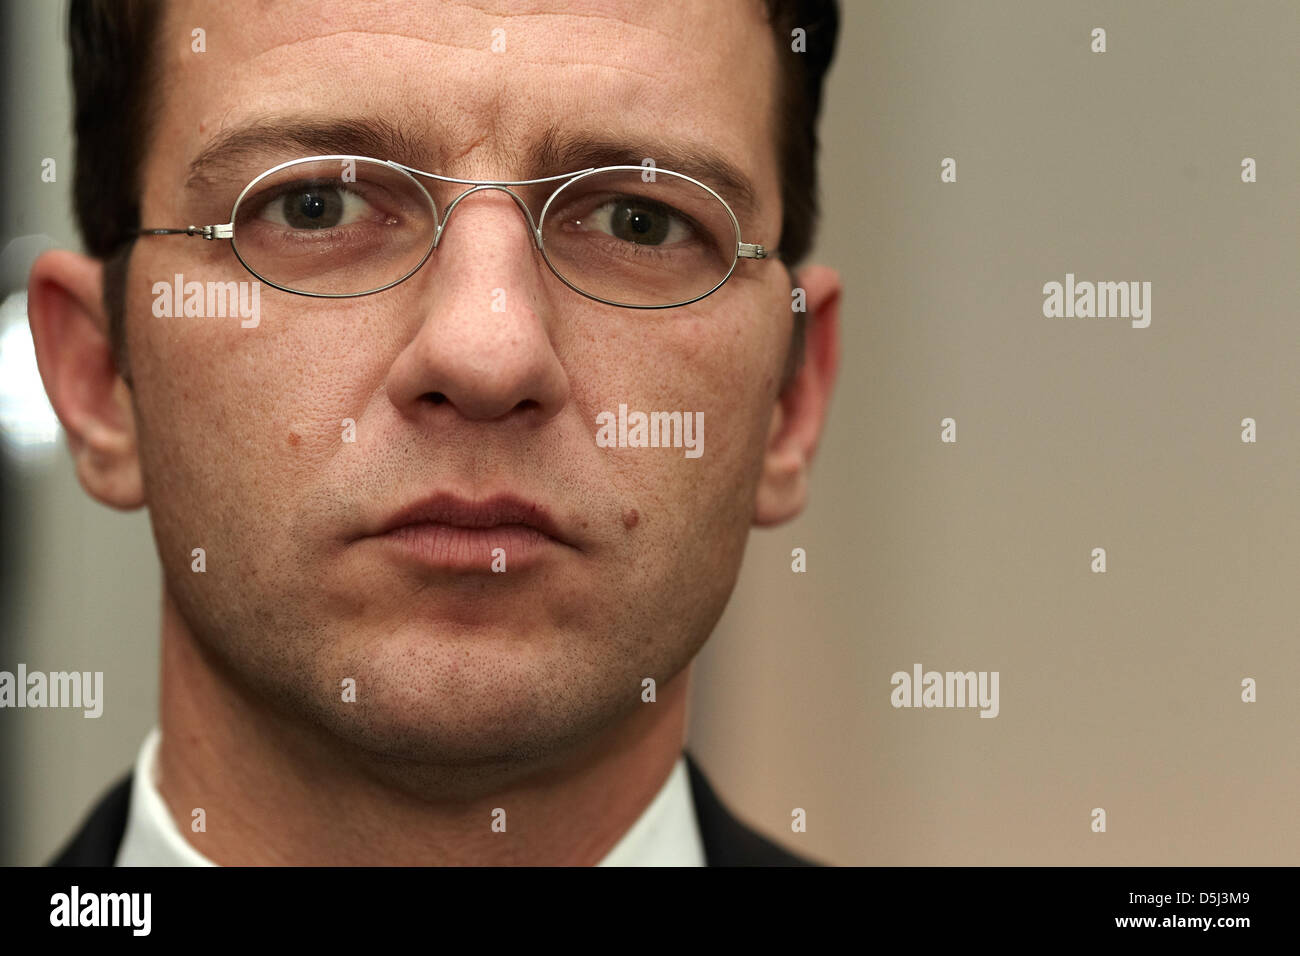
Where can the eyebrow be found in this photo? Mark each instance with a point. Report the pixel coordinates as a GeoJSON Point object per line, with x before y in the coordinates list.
{"type": "Point", "coordinates": [232, 153]}
{"type": "Point", "coordinates": [563, 151]}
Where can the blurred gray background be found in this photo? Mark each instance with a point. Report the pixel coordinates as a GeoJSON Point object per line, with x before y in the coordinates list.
{"type": "Point", "coordinates": [1118, 690]}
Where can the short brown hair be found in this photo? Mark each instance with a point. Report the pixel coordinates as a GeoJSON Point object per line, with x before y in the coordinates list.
{"type": "Point", "coordinates": [112, 46]}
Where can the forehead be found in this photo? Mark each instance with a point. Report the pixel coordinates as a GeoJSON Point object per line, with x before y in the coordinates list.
{"type": "Point", "coordinates": [478, 86]}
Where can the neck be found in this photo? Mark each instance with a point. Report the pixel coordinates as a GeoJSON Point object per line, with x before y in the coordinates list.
{"type": "Point", "coordinates": [279, 791]}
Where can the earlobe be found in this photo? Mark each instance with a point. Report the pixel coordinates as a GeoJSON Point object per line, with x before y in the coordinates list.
{"type": "Point", "coordinates": [75, 358]}
{"type": "Point", "coordinates": [800, 412]}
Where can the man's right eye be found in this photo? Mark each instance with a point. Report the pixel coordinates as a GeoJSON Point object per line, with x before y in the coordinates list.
{"type": "Point", "coordinates": [323, 206]}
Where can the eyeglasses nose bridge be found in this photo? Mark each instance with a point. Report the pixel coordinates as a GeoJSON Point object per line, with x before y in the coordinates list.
{"type": "Point", "coordinates": [523, 206]}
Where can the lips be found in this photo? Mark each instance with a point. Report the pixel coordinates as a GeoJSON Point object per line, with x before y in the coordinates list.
{"type": "Point", "coordinates": [503, 532]}
{"type": "Point", "coordinates": [446, 509]}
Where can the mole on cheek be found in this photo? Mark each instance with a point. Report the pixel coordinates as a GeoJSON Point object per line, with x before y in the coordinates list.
{"type": "Point", "coordinates": [630, 518]}
{"type": "Point", "coordinates": [294, 439]}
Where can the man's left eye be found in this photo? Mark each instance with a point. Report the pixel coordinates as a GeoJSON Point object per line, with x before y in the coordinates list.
{"type": "Point", "coordinates": [633, 220]}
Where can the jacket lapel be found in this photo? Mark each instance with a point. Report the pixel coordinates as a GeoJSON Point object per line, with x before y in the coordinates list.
{"type": "Point", "coordinates": [96, 843]}
{"type": "Point", "coordinates": [727, 841]}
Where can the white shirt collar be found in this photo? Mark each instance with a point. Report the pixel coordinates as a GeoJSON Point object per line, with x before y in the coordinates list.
{"type": "Point", "coordinates": [666, 834]}
{"type": "Point", "coordinates": [152, 837]}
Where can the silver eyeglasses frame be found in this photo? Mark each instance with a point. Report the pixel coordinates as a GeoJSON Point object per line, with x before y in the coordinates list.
{"type": "Point", "coordinates": [743, 250]}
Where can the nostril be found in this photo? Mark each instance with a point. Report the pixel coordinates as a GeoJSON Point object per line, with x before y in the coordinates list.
{"type": "Point", "coordinates": [437, 398]}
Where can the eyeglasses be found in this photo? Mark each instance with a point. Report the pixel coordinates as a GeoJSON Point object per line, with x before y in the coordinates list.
{"type": "Point", "coordinates": [638, 237]}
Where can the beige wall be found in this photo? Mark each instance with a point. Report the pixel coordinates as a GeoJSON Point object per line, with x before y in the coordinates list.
{"type": "Point", "coordinates": [1118, 690]}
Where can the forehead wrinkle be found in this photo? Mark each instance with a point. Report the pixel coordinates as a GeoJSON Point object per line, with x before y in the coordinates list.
{"type": "Point", "coordinates": [479, 48]}
{"type": "Point", "coordinates": [398, 12]}
{"type": "Point", "coordinates": [317, 37]}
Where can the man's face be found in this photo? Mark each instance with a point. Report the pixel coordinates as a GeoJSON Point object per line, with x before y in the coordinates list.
{"type": "Point", "coordinates": [241, 430]}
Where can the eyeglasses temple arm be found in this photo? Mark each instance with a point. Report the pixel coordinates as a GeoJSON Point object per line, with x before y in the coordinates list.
{"type": "Point", "coordinates": [223, 231]}
{"type": "Point", "coordinates": [750, 250]}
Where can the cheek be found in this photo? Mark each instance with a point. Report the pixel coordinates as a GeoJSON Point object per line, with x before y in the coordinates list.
{"type": "Point", "coordinates": [717, 369]}
{"type": "Point", "coordinates": [243, 376]}
{"type": "Point", "coordinates": [234, 422]}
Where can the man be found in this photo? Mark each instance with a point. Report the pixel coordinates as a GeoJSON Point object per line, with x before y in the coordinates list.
{"type": "Point", "coordinates": [428, 597]}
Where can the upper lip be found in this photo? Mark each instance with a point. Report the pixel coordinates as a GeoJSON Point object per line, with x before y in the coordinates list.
{"type": "Point", "coordinates": [503, 509]}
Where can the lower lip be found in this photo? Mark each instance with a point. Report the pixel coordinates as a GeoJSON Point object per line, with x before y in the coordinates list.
{"type": "Point", "coordinates": [455, 548]}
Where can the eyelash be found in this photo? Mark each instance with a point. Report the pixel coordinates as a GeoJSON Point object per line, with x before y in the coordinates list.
{"type": "Point", "coordinates": [279, 192]}
{"type": "Point", "coordinates": [589, 204]}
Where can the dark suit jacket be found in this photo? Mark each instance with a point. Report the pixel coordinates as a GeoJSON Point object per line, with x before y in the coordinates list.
{"type": "Point", "coordinates": [727, 841]}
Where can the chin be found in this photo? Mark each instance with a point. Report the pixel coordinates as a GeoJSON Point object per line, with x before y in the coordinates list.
{"type": "Point", "coordinates": [485, 696]}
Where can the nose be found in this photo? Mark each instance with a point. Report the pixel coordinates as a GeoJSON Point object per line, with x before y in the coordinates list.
{"type": "Point", "coordinates": [484, 346]}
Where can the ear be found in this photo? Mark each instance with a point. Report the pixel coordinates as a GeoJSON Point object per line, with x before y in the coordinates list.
{"type": "Point", "coordinates": [70, 330]}
{"type": "Point", "coordinates": [800, 413]}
